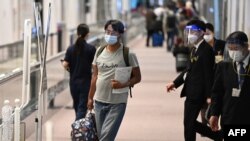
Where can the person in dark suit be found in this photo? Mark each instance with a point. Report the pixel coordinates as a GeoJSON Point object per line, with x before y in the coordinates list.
{"type": "Point", "coordinates": [230, 92]}
{"type": "Point", "coordinates": [197, 80]}
{"type": "Point", "coordinates": [218, 48]}
{"type": "Point", "coordinates": [217, 44]}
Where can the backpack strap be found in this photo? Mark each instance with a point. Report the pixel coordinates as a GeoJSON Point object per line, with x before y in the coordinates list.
{"type": "Point", "coordinates": [126, 59]}
{"type": "Point", "coordinates": [100, 50]}
{"type": "Point", "coordinates": [125, 55]}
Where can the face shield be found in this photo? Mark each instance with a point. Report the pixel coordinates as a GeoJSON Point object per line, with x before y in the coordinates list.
{"type": "Point", "coordinates": [191, 35]}
{"type": "Point", "coordinates": [234, 50]}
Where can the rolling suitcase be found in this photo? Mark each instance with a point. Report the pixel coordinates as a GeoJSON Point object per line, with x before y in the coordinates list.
{"type": "Point", "coordinates": [157, 39]}
{"type": "Point", "coordinates": [181, 57]}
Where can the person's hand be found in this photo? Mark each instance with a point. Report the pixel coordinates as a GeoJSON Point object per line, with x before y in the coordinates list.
{"type": "Point", "coordinates": [90, 104]}
{"type": "Point", "coordinates": [116, 84]}
{"type": "Point", "coordinates": [213, 121]}
{"type": "Point", "coordinates": [65, 64]}
{"type": "Point", "coordinates": [208, 101]}
{"type": "Point", "coordinates": [170, 86]}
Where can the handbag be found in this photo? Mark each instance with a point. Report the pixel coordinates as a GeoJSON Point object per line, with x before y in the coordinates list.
{"type": "Point", "coordinates": [85, 129]}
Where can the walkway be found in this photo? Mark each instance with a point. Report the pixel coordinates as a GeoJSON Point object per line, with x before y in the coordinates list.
{"type": "Point", "coordinates": [152, 114]}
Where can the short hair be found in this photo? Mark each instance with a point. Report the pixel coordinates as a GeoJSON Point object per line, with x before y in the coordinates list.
{"type": "Point", "coordinates": [116, 25]}
{"type": "Point", "coordinates": [198, 23]}
{"type": "Point", "coordinates": [237, 37]}
{"type": "Point", "coordinates": [210, 27]}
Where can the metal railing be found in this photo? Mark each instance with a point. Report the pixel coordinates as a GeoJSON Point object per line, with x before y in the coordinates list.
{"type": "Point", "coordinates": [12, 78]}
{"type": "Point", "coordinates": [11, 82]}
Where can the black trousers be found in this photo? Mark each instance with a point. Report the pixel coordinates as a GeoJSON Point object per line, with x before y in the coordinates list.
{"type": "Point", "coordinates": [149, 35]}
{"type": "Point", "coordinates": [191, 125]}
{"type": "Point", "coordinates": [79, 92]}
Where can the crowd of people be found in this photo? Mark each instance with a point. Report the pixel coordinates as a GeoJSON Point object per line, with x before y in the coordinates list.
{"type": "Point", "coordinates": [169, 21]}
{"type": "Point", "coordinates": [214, 85]}
{"type": "Point", "coordinates": [216, 79]}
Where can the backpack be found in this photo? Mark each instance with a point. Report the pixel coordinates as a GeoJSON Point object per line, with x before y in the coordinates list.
{"type": "Point", "coordinates": [171, 20]}
{"type": "Point", "coordinates": [125, 57]}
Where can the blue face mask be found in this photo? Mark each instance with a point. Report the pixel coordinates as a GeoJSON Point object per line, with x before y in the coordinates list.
{"type": "Point", "coordinates": [110, 39]}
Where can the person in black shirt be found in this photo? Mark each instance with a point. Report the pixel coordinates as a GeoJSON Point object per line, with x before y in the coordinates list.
{"type": "Point", "coordinates": [78, 61]}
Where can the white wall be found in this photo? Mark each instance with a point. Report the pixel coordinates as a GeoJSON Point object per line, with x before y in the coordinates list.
{"type": "Point", "coordinates": [233, 16]}
{"type": "Point", "coordinates": [70, 10]}
{"type": "Point", "coordinates": [6, 29]}
{"type": "Point", "coordinates": [56, 16]}
{"type": "Point", "coordinates": [247, 19]}
{"type": "Point", "coordinates": [238, 17]}
{"type": "Point", "coordinates": [71, 13]}
{"type": "Point", "coordinates": [13, 13]}
{"type": "Point", "coordinates": [91, 17]}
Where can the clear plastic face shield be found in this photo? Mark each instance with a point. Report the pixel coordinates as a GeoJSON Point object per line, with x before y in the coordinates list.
{"type": "Point", "coordinates": [192, 34]}
{"type": "Point", "coordinates": [235, 50]}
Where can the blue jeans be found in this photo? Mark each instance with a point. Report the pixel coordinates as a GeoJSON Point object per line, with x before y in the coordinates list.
{"type": "Point", "coordinates": [108, 119]}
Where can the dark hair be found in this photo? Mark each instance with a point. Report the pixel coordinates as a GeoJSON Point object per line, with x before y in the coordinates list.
{"type": "Point", "coordinates": [238, 37]}
{"type": "Point", "coordinates": [171, 5]}
{"type": "Point", "coordinates": [210, 27]}
{"type": "Point", "coordinates": [198, 23]}
{"type": "Point", "coordinates": [116, 25]}
{"type": "Point", "coordinates": [181, 2]}
{"type": "Point", "coordinates": [82, 31]}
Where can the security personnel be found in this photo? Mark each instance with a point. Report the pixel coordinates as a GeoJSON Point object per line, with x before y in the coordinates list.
{"type": "Point", "coordinates": [217, 44]}
{"type": "Point", "coordinates": [218, 48]}
{"type": "Point", "coordinates": [230, 93]}
{"type": "Point", "coordinates": [197, 80]}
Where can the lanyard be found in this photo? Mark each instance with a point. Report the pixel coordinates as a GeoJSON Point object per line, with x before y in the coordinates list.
{"type": "Point", "coordinates": [241, 74]}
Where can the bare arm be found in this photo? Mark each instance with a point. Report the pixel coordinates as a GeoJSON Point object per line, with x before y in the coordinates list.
{"type": "Point", "coordinates": [92, 87]}
{"type": "Point", "coordinates": [65, 64]}
{"type": "Point", "coordinates": [136, 76]}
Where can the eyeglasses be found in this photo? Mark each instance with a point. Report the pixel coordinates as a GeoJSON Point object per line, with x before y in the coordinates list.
{"type": "Point", "coordinates": [109, 32]}
{"type": "Point", "coordinates": [236, 41]}
{"type": "Point", "coordinates": [234, 47]}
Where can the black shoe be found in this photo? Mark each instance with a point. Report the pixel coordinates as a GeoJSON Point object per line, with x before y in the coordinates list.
{"type": "Point", "coordinates": [220, 136]}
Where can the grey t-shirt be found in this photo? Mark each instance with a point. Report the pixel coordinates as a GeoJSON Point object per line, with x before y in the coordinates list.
{"type": "Point", "coordinates": [106, 63]}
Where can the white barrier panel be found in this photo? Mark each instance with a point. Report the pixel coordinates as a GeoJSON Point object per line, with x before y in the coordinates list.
{"type": "Point", "coordinates": [7, 129]}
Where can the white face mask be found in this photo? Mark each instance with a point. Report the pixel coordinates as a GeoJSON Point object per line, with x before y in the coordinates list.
{"type": "Point", "coordinates": [110, 39]}
{"type": "Point", "coordinates": [236, 55]}
{"type": "Point", "coordinates": [208, 38]}
{"type": "Point", "coordinates": [192, 39]}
